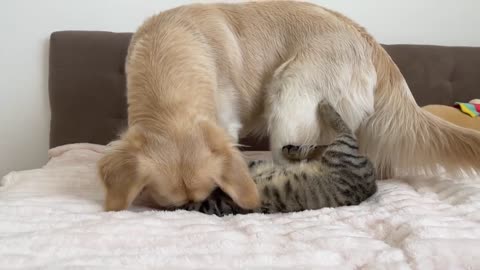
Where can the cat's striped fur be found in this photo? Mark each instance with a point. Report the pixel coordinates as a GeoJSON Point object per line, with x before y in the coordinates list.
{"type": "Point", "coordinates": [330, 176]}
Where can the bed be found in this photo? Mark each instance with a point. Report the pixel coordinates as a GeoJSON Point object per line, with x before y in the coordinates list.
{"type": "Point", "coordinates": [52, 217]}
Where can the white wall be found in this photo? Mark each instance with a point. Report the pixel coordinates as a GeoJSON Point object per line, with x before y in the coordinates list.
{"type": "Point", "coordinates": [25, 26]}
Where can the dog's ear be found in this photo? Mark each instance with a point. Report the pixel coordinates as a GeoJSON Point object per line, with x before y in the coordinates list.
{"type": "Point", "coordinates": [236, 180]}
{"type": "Point", "coordinates": [118, 171]}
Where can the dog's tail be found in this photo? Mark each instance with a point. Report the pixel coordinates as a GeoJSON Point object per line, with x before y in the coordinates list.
{"type": "Point", "coordinates": [402, 138]}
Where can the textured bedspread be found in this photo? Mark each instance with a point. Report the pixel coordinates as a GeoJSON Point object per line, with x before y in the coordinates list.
{"type": "Point", "coordinates": [52, 218]}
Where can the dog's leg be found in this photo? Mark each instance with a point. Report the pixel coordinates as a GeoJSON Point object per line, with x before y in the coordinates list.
{"type": "Point", "coordinates": [291, 114]}
{"type": "Point", "coordinates": [332, 71]}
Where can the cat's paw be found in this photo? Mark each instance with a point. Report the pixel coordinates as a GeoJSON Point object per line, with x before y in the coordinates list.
{"type": "Point", "coordinates": [254, 163]}
{"type": "Point", "coordinates": [303, 152]}
{"type": "Point", "coordinates": [332, 118]}
{"type": "Point", "coordinates": [292, 152]}
{"type": "Point", "coordinates": [327, 112]}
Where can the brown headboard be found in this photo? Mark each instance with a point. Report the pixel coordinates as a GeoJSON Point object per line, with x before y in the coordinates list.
{"type": "Point", "coordinates": [87, 82]}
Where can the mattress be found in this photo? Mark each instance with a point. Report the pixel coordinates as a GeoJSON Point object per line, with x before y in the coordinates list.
{"type": "Point", "coordinates": [52, 218]}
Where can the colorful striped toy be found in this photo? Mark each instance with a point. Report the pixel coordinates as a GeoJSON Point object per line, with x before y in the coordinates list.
{"type": "Point", "coordinates": [471, 108]}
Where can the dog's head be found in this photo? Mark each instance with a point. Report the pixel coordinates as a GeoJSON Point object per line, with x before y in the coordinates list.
{"type": "Point", "coordinates": [175, 168]}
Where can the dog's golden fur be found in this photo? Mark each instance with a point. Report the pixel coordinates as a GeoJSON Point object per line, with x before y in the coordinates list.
{"type": "Point", "coordinates": [200, 76]}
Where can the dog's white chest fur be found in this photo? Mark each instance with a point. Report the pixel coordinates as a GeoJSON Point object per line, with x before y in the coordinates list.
{"type": "Point", "coordinates": [227, 111]}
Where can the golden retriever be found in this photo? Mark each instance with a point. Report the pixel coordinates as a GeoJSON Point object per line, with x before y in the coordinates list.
{"type": "Point", "coordinates": [201, 76]}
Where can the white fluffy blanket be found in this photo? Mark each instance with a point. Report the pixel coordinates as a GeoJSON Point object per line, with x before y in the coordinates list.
{"type": "Point", "coordinates": [52, 218]}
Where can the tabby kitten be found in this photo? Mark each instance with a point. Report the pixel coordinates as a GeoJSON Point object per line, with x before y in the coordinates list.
{"type": "Point", "coordinates": [332, 175]}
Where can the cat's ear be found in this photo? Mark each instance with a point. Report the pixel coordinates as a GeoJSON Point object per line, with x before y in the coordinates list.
{"type": "Point", "coordinates": [235, 179]}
